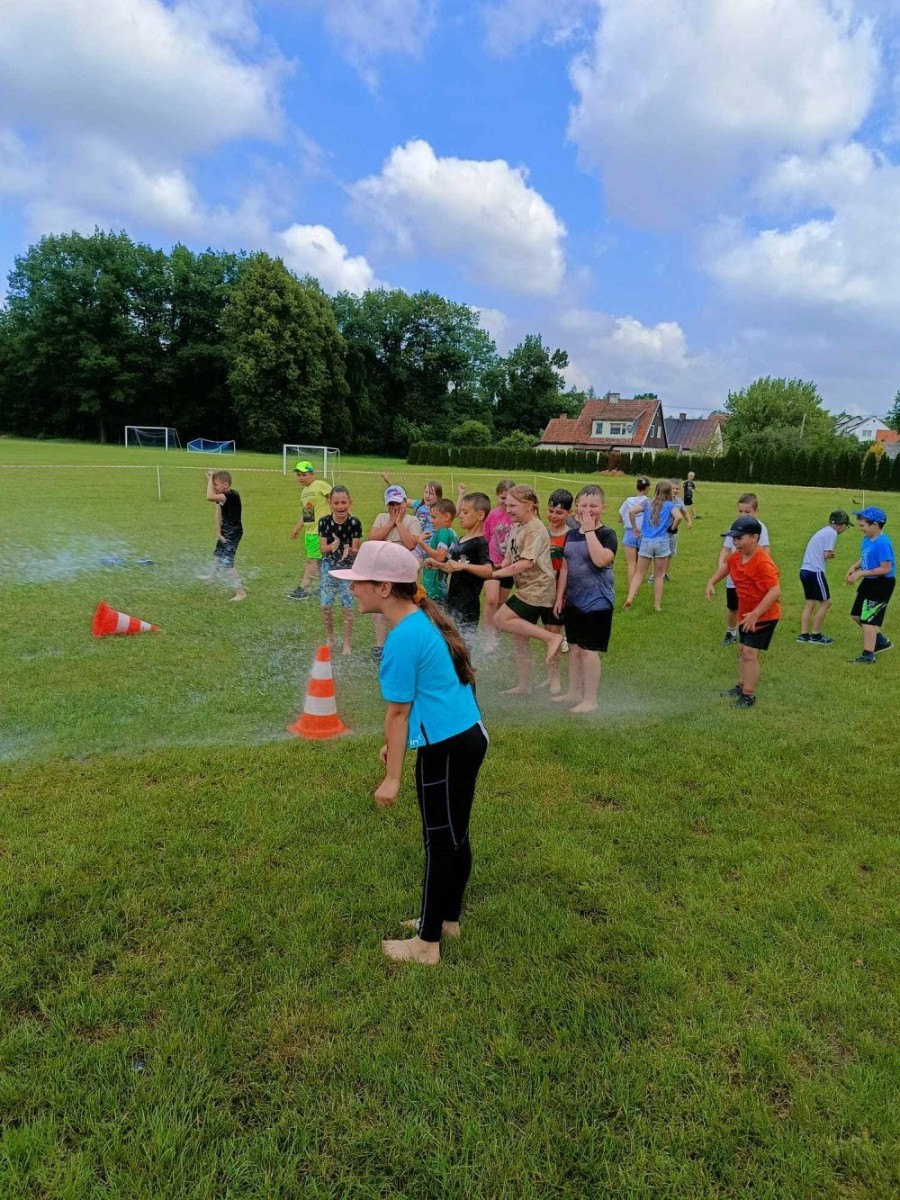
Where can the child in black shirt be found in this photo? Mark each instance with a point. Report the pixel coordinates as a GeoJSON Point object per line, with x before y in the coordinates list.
{"type": "Point", "coordinates": [340, 536]}
{"type": "Point", "coordinates": [229, 529]}
{"type": "Point", "coordinates": [468, 563]}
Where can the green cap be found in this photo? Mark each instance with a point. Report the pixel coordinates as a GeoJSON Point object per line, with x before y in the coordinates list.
{"type": "Point", "coordinates": [304, 467]}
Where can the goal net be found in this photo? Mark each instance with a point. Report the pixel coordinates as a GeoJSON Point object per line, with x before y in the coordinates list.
{"type": "Point", "coordinates": [208, 446]}
{"type": "Point", "coordinates": [325, 459]}
{"type": "Point", "coordinates": [158, 437]}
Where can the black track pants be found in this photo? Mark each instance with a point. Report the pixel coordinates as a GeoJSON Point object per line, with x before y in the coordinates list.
{"type": "Point", "coordinates": [445, 783]}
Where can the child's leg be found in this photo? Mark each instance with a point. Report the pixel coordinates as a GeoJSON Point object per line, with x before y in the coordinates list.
{"type": "Point", "coordinates": [749, 670]}
{"type": "Point", "coordinates": [731, 613]}
{"type": "Point", "coordinates": [870, 637]}
{"type": "Point", "coordinates": [491, 604]}
{"type": "Point", "coordinates": [659, 582]}
{"type": "Point", "coordinates": [806, 616]}
{"type": "Point", "coordinates": [506, 621]}
{"type": "Point", "coordinates": [631, 558]}
{"type": "Point", "coordinates": [554, 680]}
{"type": "Point", "coordinates": [380, 629]}
{"type": "Point", "coordinates": [328, 622]}
{"type": "Point", "coordinates": [347, 614]}
{"type": "Point", "coordinates": [310, 572]}
{"type": "Point", "coordinates": [643, 565]}
{"type": "Point", "coordinates": [235, 581]}
{"type": "Point", "coordinates": [819, 618]}
{"type": "Point", "coordinates": [591, 667]}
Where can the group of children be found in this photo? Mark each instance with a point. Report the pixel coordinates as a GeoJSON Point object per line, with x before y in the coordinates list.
{"type": "Point", "coordinates": [554, 583]}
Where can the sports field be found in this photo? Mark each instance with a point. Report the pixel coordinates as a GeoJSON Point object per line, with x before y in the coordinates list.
{"type": "Point", "coordinates": [678, 972]}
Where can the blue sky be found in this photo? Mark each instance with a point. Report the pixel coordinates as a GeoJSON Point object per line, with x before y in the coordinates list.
{"type": "Point", "coordinates": [684, 194]}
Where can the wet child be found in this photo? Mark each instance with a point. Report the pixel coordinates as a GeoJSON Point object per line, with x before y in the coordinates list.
{"type": "Point", "coordinates": [434, 581]}
{"type": "Point", "coordinates": [229, 529]}
{"type": "Point", "coordinates": [340, 536]}
{"type": "Point", "coordinates": [468, 564]}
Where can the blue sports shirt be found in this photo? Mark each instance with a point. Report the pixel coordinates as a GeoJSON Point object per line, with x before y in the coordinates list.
{"type": "Point", "coordinates": [874, 553]}
{"type": "Point", "coordinates": [416, 669]}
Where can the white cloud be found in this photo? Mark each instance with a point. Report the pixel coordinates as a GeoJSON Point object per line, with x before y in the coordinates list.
{"type": "Point", "coordinates": [479, 214]}
{"type": "Point", "coordinates": [366, 30]}
{"type": "Point", "coordinates": [18, 173]}
{"type": "Point", "coordinates": [512, 23]}
{"type": "Point", "coordinates": [681, 99]}
{"type": "Point", "coordinates": [314, 250]}
{"type": "Point", "coordinates": [497, 324]}
{"type": "Point", "coordinates": [136, 71]}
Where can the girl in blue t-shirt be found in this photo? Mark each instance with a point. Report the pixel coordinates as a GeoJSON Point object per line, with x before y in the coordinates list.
{"type": "Point", "coordinates": [662, 517]}
{"type": "Point", "coordinates": [426, 678]}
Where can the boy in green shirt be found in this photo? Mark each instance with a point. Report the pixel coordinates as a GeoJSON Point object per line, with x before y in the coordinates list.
{"type": "Point", "coordinates": [438, 545]}
{"type": "Point", "coordinates": [314, 495]}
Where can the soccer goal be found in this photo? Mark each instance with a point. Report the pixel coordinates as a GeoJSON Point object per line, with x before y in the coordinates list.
{"type": "Point", "coordinates": [325, 459]}
{"type": "Point", "coordinates": [158, 437]}
{"type": "Point", "coordinates": [208, 446]}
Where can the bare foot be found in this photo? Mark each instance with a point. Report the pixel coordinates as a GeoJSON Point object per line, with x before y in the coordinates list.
{"type": "Point", "coordinates": [554, 645]}
{"type": "Point", "coordinates": [413, 950]}
{"type": "Point", "coordinates": [584, 707]}
{"type": "Point", "coordinates": [238, 596]}
{"type": "Point", "coordinates": [656, 609]}
{"type": "Point", "coordinates": [567, 698]}
{"type": "Point", "coordinates": [555, 688]}
{"type": "Point", "coordinates": [346, 651]}
{"type": "Point", "coordinates": [517, 691]}
{"type": "Point", "coordinates": [448, 928]}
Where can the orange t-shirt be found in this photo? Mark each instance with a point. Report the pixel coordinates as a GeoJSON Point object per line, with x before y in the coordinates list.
{"type": "Point", "coordinates": [752, 580]}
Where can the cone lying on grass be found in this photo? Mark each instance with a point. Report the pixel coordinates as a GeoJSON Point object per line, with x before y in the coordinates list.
{"type": "Point", "coordinates": [109, 621]}
{"type": "Point", "coordinates": [319, 718]}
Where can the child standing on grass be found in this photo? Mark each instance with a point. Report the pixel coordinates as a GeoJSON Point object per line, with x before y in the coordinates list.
{"type": "Point", "coordinates": [757, 582]}
{"type": "Point", "coordinates": [229, 529]}
{"type": "Point", "coordinates": [496, 531]}
{"type": "Point", "coordinates": [340, 536]}
{"type": "Point", "coordinates": [397, 526]}
{"type": "Point", "coordinates": [632, 536]}
{"type": "Point", "coordinates": [434, 581]}
{"type": "Point", "coordinates": [661, 517]}
{"type": "Point", "coordinates": [527, 560]}
{"type": "Point", "coordinates": [819, 549]}
{"type": "Point", "coordinates": [559, 522]}
{"type": "Point", "coordinates": [689, 489]}
{"type": "Point", "coordinates": [426, 679]}
{"type": "Point", "coordinates": [468, 564]}
{"type": "Point", "coordinates": [747, 506]}
{"type": "Point", "coordinates": [314, 495]}
{"type": "Point", "coordinates": [875, 571]}
{"type": "Point", "coordinates": [586, 597]}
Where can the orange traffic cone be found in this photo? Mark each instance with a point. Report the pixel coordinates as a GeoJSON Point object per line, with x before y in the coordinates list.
{"type": "Point", "coordinates": [319, 718]}
{"type": "Point", "coordinates": [108, 621]}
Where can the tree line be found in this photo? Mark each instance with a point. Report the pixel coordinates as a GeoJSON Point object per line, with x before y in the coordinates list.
{"type": "Point", "coordinates": [99, 332]}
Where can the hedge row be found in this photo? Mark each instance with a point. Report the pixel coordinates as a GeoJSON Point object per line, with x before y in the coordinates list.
{"type": "Point", "coordinates": [848, 469]}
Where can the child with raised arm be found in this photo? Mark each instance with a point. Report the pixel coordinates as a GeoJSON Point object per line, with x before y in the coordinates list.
{"type": "Point", "coordinates": [496, 532]}
{"type": "Point", "coordinates": [819, 549]}
{"type": "Point", "coordinates": [340, 536]}
{"type": "Point", "coordinates": [586, 597]}
{"type": "Point", "coordinates": [527, 560]}
{"type": "Point", "coordinates": [468, 564]}
{"type": "Point", "coordinates": [757, 582]}
{"type": "Point", "coordinates": [875, 571]}
{"type": "Point", "coordinates": [229, 529]}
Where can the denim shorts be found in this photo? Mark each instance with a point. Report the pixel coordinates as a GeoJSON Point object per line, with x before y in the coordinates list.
{"type": "Point", "coordinates": [330, 589]}
{"type": "Point", "coordinates": [654, 547]}
{"type": "Point", "coordinates": [628, 539]}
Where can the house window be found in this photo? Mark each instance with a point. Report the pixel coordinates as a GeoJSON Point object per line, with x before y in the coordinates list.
{"type": "Point", "coordinates": [598, 429]}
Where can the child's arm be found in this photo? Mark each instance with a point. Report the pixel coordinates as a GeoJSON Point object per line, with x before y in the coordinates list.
{"type": "Point", "coordinates": [561, 580]}
{"type": "Point", "coordinates": [212, 495]}
{"type": "Point", "coordinates": [600, 556]}
{"type": "Point", "coordinates": [723, 559]}
{"type": "Point", "coordinates": [856, 571]}
{"type": "Point", "coordinates": [631, 513]}
{"type": "Point", "coordinates": [396, 729]}
{"type": "Point", "coordinates": [219, 537]}
{"type": "Point", "coordinates": [720, 574]}
{"type": "Point", "coordinates": [379, 532]}
{"type": "Point", "coordinates": [770, 598]}
{"type": "Point", "coordinates": [509, 570]}
{"type": "Point", "coordinates": [462, 489]}
{"type": "Point", "coordinates": [409, 537]}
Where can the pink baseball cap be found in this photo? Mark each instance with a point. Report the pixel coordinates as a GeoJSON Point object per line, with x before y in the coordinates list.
{"type": "Point", "coordinates": [382, 562]}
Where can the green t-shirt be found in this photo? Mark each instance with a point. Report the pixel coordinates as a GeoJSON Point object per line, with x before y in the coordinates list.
{"type": "Point", "coordinates": [435, 582]}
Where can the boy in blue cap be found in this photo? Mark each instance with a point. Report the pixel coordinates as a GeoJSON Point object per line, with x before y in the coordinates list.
{"type": "Point", "coordinates": [875, 569]}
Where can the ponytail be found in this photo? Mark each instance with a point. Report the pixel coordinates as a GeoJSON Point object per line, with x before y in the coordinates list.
{"type": "Point", "coordinates": [445, 625]}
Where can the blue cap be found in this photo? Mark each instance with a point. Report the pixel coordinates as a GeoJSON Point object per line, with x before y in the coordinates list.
{"type": "Point", "coordinates": [872, 513]}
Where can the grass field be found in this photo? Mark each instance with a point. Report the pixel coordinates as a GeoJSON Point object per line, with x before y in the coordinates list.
{"type": "Point", "coordinates": [678, 973]}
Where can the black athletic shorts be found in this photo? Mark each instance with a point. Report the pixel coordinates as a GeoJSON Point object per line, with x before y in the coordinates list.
{"type": "Point", "coordinates": [731, 600]}
{"type": "Point", "coordinates": [761, 636]}
{"type": "Point", "coordinates": [532, 613]}
{"type": "Point", "coordinates": [815, 585]}
{"type": "Point", "coordinates": [871, 600]}
{"type": "Point", "coordinates": [588, 630]}
{"type": "Point", "coordinates": [225, 551]}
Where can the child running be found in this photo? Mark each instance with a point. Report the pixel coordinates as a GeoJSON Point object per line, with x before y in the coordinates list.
{"type": "Point", "coordinates": [340, 535]}
{"type": "Point", "coordinates": [819, 549]}
{"type": "Point", "coordinates": [586, 596]}
{"type": "Point", "coordinates": [314, 495]}
{"type": "Point", "coordinates": [527, 560]}
{"type": "Point", "coordinates": [757, 582]}
{"type": "Point", "coordinates": [747, 506]}
{"type": "Point", "coordinates": [632, 536]}
{"type": "Point", "coordinates": [438, 546]}
{"type": "Point", "coordinates": [229, 529]}
{"type": "Point", "coordinates": [468, 564]}
{"type": "Point", "coordinates": [661, 517]}
{"type": "Point", "coordinates": [426, 679]}
{"type": "Point", "coordinates": [875, 571]}
{"type": "Point", "coordinates": [496, 532]}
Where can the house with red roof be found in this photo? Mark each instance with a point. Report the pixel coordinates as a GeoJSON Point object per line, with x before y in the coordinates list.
{"type": "Point", "coordinates": [610, 423]}
{"type": "Point", "coordinates": [696, 435]}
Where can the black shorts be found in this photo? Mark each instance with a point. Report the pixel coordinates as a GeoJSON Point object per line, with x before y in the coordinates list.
{"type": "Point", "coordinates": [588, 630]}
{"type": "Point", "coordinates": [761, 636]}
{"type": "Point", "coordinates": [225, 551]}
{"type": "Point", "coordinates": [731, 600]}
{"type": "Point", "coordinates": [532, 613]}
{"type": "Point", "coordinates": [815, 585]}
{"type": "Point", "coordinates": [871, 600]}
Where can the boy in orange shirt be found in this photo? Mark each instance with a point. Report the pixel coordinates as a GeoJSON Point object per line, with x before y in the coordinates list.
{"type": "Point", "coordinates": [758, 584]}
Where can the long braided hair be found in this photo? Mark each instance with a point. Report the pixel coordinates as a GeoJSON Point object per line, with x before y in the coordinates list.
{"type": "Point", "coordinates": [459, 651]}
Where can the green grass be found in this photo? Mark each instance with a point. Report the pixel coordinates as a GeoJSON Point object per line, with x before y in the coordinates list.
{"type": "Point", "coordinates": [678, 975]}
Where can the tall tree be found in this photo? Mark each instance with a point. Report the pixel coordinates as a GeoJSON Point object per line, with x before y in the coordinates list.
{"type": "Point", "coordinates": [780, 410]}
{"type": "Point", "coordinates": [530, 387]}
{"type": "Point", "coordinates": [893, 414]}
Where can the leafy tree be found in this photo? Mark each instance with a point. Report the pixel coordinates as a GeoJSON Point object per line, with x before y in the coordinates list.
{"type": "Point", "coordinates": [516, 439]}
{"type": "Point", "coordinates": [778, 411]}
{"type": "Point", "coordinates": [893, 415]}
{"type": "Point", "coordinates": [471, 433]}
{"type": "Point", "coordinates": [530, 388]}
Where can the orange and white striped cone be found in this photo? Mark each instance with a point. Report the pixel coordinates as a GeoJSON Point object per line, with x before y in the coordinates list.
{"type": "Point", "coordinates": [109, 621]}
{"type": "Point", "coordinates": [319, 718]}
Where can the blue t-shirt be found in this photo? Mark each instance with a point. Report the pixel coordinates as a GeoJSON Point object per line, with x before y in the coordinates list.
{"type": "Point", "coordinates": [874, 553]}
{"type": "Point", "coordinates": [589, 588]}
{"type": "Point", "coordinates": [659, 527]}
{"type": "Point", "coordinates": [416, 668]}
